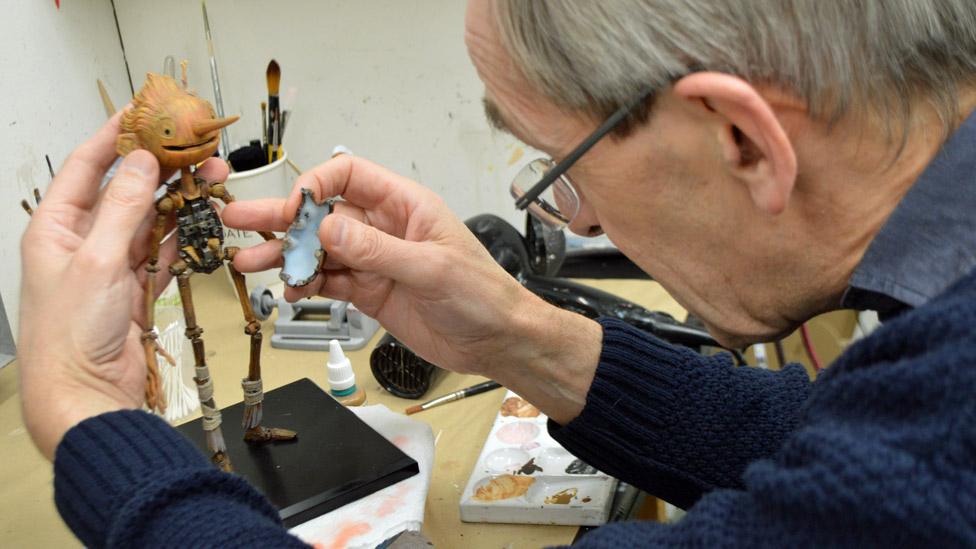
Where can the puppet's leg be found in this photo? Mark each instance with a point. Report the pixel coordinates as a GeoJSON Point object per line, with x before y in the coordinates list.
{"type": "Point", "coordinates": [211, 415]}
{"type": "Point", "coordinates": [253, 391]}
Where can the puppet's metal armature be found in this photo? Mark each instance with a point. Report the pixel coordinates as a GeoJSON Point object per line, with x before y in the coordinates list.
{"type": "Point", "coordinates": [181, 130]}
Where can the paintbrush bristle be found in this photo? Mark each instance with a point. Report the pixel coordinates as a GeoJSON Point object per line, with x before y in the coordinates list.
{"type": "Point", "coordinates": [274, 77]}
{"type": "Point", "coordinates": [414, 409]}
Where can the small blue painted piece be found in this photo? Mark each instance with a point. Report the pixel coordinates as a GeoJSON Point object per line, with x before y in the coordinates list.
{"type": "Point", "coordinates": [301, 250]}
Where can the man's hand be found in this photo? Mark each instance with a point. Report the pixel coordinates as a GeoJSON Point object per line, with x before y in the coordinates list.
{"type": "Point", "coordinates": [82, 309]}
{"type": "Point", "coordinates": [398, 253]}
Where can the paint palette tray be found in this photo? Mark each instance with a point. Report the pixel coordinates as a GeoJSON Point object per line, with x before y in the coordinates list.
{"type": "Point", "coordinates": [524, 476]}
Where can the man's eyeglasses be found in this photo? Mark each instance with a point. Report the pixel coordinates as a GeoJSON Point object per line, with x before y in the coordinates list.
{"type": "Point", "coordinates": [553, 198]}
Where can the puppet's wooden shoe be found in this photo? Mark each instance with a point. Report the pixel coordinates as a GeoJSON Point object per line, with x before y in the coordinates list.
{"type": "Point", "coordinates": [268, 434]}
{"type": "Point", "coordinates": [222, 461]}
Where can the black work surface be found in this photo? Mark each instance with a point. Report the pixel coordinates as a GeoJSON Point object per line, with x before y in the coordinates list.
{"type": "Point", "coordinates": [337, 458]}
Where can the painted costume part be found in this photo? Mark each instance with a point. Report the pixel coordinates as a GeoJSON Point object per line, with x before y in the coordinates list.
{"type": "Point", "coordinates": [301, 250]}
{"type": "Point", "coordinates": [200, 236]}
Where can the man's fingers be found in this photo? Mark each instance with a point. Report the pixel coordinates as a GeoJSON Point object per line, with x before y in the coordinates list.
{"type": "Point", "coordinates": [262, 257]}
{"type": "Point", "coordinates": [213, 170]}
{"type": "Point", "coordinates": [361, 182]}
{"type": "Point", "coordinates": [125, 204]}
{"type": "Point", "coordinates": [142, 239]}
{"type": "Point", "coordinates": [365, 248]}
{"type": "Point", "coordinates": [311, 289]}
{"type": "Point", "coordinates": [264, 214]}
{"type": "Point", "coordinates": [78, 180]}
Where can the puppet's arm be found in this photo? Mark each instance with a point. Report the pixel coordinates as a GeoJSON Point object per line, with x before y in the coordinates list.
{"type": "Point", "coordinates": [219, 190]}
{"type": "Point", "coordinates": [155, 399]}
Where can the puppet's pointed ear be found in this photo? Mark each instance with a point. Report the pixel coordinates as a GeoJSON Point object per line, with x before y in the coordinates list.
{"type": "Point", "coordinates": [126, 143]}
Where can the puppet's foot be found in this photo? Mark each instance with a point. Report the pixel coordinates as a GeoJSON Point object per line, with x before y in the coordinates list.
{"type": "Point", "coordinates": [222, 461]}
{"type": "Point", "coordinates": [268, 434]}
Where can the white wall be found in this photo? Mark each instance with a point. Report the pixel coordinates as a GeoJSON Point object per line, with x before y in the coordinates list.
{"type": "Point", "coordinates": [389, 79]}
{"type": "Point", "coordinates": [49, 60]}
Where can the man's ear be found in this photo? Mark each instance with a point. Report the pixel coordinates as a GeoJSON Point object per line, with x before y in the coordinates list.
{"type": "Point", "coordinates": [753, 141]}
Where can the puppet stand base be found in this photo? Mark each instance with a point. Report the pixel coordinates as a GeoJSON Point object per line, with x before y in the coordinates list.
{"type": "Point", "coordinates": [309, 324]}
{"type": "Point", "coordinates": [336, 460]}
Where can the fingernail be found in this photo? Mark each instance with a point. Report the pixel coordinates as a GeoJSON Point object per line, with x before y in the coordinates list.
{"type": "Point", "coordinates": [142, 163]}
{"type": "Point", "coordinates": [337, 230]}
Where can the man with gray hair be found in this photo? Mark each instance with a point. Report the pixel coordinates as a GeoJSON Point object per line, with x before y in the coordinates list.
{"type": "Point", "coordinates": [765, 162]}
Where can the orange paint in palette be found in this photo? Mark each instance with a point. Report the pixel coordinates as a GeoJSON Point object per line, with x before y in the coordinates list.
{"type": "Point", "coordinates": [515, 406]}
{"type": "Point", "coordinates": [503, 487]}
{"type": "Point", "coordinates": [524, 476]}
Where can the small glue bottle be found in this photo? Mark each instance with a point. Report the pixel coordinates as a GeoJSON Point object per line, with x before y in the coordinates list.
{"type": "Point", "coordinates": [342, 380]}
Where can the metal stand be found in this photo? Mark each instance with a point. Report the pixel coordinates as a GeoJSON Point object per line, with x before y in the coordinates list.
{"type": "Point", "coordinates": [309, 325]}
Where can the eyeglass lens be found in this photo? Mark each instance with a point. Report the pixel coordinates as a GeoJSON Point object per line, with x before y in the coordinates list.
{"type": "Point", "coordinates": [557, 205]}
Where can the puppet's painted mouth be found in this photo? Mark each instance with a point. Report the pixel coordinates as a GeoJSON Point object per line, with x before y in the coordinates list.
{"type": "Point", "coordinates": [178, 148]}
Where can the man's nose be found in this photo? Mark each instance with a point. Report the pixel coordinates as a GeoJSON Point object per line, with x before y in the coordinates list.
{"type": "Point", "coordinates": [586, 223]}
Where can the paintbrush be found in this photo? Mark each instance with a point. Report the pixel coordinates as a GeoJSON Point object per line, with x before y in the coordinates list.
{"type": "Point", "coordinates": [264, 123]}
{"type": "Point", "coordinates": [218, 100]}
{"type": "Point", "coordinates": [456, 395]}
{"type": "Point", "coordinates": [37, 194]}
{"type": "Point", "coordinates": [274, 81]}
{"type": "Point", "coordinates": [287, 101]}
{"type": "Point", "coordinates": [284, 125]}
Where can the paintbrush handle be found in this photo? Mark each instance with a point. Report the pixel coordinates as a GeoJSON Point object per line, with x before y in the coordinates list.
{"type": "Point", "coordinates": [273, 114]}
{"type": "Point", "coordinates": [282, 126]}
{"type": "Point", "coordinates": [264, 124]}
{"type": "Point", "coordinates": [481, 388]}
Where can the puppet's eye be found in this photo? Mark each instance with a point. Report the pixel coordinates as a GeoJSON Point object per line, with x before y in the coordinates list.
{"type": "Point", "coordinates": [167, 128]}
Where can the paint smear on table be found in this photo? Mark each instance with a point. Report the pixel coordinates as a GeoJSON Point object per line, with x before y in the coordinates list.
{"type": "Point", "coordinates": [346, 534]}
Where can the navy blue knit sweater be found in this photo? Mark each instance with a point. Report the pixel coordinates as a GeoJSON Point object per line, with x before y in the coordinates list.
{"type": "Point", "coordinates": [880, 451]}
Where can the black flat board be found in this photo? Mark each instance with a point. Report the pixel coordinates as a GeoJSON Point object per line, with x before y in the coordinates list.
{"type": "Point", "coordinates": [337, 458]}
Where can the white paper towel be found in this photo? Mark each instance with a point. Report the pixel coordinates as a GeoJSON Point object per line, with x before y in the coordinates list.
{"type": "Point", "coordinates": [377, 517]}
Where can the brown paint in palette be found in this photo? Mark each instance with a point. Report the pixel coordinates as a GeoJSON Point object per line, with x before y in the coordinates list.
{"type": "Point", "coordinates": [562, 497]}
{"type": "Point", "coordinates": [529, 468]}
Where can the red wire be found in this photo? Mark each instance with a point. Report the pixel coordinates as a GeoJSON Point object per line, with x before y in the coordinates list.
{"type": "Point", "coordinates": [808, 345]}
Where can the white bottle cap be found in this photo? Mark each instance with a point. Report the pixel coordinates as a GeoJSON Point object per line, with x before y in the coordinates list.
{"type": "Point", "coordinates": [341, 376]}
{"type": "Point", "coordinates": [340, 149]}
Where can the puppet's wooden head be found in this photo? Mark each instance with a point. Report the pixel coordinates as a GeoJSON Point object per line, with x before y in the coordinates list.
{"type": "Point", "coordinates": [178, 127]}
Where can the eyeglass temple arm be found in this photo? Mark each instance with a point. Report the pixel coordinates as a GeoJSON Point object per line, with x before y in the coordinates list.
{"type": "Point", "coordinates": [564, 164]}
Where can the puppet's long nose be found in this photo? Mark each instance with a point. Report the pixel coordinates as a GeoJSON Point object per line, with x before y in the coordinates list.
{"type": "Point", "coordinates": [207, 126]}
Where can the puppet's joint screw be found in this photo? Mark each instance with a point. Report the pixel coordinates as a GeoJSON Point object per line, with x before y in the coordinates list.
{"type": "Point", "coordinates": [252, 327]}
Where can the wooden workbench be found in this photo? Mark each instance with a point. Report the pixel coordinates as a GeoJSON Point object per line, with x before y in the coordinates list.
{"type": "Point", "coordinates": [28, 517]}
